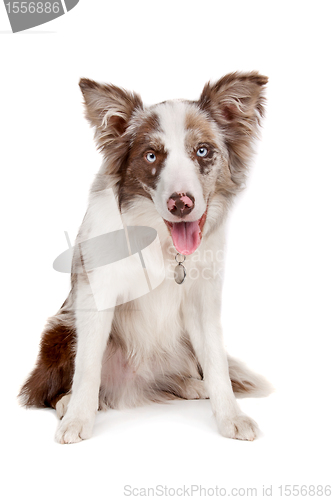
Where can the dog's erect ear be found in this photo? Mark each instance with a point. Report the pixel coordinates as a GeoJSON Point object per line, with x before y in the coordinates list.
{"type": "Point", "coordinates": [108, 108]}
{"type": "Point", "coordinates": [236, 102]}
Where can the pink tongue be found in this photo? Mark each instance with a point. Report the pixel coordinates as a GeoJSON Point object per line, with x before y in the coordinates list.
{"type": "Point", "coordinates": [186, 236]}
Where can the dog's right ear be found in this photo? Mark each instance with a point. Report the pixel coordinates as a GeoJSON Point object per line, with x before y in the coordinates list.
{"type": "Point", "coordinates": [108, 108]}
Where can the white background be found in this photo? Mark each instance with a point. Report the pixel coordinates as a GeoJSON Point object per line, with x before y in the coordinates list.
{"type": "Point", "coordinates": [277, 309]}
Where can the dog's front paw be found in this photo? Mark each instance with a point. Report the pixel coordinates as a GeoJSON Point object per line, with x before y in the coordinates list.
{"type": "Point", "coordinates": [74, 430]}
{"type": "Point", "coordinates": [239, 427]}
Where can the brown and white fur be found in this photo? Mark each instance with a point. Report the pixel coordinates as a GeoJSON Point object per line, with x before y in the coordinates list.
{"type": "Point", "coordinates": [168, 343]}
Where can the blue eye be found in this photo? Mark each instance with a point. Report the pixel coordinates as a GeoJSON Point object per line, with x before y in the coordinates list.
{"type": "Point", "coordinates": [202, 152]}
{"type": "Point", "coordinates": [151, 157]}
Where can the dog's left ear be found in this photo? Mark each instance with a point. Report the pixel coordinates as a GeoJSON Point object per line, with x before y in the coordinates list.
{"type": "Point", "coordinates": [236, 103]}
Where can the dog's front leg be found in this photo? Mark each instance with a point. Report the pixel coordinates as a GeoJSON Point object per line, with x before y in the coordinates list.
{"type": "Point", "coordinates": [202, 321]}
{"type": "Point", "coordinates": [92, 329]}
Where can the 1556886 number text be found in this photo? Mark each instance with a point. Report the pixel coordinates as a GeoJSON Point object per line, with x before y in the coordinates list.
{"type": "Point", "coordinates": [33, 7]}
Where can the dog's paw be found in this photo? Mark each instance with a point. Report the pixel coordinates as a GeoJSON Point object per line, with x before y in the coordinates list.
{"type": "Point", "coordinates": [61, 406]}
{"type": "Point", "coordinates": [239, 427]}
{"type": "Point", "coordinates": [74, 430]}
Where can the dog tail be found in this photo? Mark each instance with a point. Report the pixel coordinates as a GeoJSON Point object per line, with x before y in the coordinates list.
{"type": "Point", "coordinates": [54, 370]}
{"type": "Point", "coordinates": [246, 383]}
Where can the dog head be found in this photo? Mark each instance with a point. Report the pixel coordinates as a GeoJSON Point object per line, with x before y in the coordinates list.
{"type": "Point", "coordinates": [182, 155]}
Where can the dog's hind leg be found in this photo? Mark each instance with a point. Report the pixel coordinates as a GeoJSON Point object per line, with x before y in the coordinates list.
{"type": "Point", "coordinates": [181, 387]}
{"type": "Point", "coordinates": [52, 377]}
{"type": "Point", "coordinates": [245, 383]}
{"type": "Point", "coordinates": [195, 389]}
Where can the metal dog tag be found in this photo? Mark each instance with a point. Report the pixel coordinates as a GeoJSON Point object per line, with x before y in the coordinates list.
{"type": "Point", "coordinates": [180, 271]}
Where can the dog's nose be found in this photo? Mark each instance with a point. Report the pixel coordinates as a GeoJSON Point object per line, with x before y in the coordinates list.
{"type": "Point", "coordinates": [180, 204]}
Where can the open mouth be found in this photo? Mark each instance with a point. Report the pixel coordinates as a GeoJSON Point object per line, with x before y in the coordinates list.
{"type": "Point", "coordinates": [186, 236]}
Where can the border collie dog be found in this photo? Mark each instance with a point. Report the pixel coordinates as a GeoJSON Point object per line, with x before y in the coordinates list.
{"type": "Point", "coordinates": [173, 170]}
